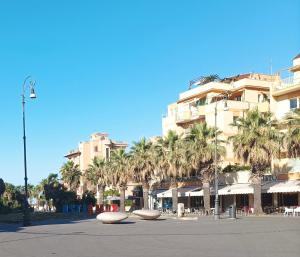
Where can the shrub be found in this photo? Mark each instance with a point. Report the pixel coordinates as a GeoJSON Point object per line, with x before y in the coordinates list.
{"type": "Point", "coordinates": [234, 168]}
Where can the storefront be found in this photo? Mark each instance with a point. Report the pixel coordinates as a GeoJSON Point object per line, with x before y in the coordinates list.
{"type": "Point", "coordinates": [274, 194]}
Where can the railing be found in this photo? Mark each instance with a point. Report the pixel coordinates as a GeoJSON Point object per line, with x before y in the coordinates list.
{"type": "Point", "coordinates": [193, 113]}
{"type": "Point", "coordinates": [286, 83]}
{"type": "Point", "coordinates": [73, 151]}
{"type": "Point", "coordinates": [190, 114]}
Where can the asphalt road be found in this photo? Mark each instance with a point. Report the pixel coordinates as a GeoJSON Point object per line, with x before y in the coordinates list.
{"type": "Point", "coordinates": [249, 236]}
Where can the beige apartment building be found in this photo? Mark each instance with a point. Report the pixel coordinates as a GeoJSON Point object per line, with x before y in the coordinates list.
{"type": "Point", "coordinates": [242, 92]}
{"type": "Point", "coordinates": [278, 93]}
{"type": "Point", "coordinates": [99, 145]}
{"type": "Point", "coordinates": [285, 96]}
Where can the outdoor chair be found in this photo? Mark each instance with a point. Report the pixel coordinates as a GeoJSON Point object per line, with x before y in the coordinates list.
{"type": "Point", "coordinates": [245, 210]}
{"type": "Point", "coordinates": [288, 211]}
{"type": "Point", "coordinates": [296, 211]}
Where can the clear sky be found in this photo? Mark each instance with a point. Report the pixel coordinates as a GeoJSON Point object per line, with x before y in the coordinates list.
{"type": "Point", "coordinates": [114, 66]}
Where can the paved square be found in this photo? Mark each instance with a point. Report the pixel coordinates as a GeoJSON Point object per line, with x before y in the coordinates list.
{"type": "Point", "coordinates": [249, 236]}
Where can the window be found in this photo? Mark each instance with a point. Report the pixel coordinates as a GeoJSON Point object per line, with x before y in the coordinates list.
{"type": "Point", "coordinates": [107, 153]}
{"type": "Point", "coordinates": [293, 103]}
{"type": "Point", "coordinates": [238, 98]}
{"type": "Point", "coordinates": [96, 149]}
{"type": "Point", "coordinates": [235, 118]}
{"type": "Point", "coordinates": [201, 102]}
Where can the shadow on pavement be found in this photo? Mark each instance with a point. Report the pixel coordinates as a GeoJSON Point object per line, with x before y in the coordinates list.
{"type": "Point", "coordinates": [48, 220]}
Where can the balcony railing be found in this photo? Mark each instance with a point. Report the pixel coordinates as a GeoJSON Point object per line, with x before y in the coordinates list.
{"type": "Point", "coordinates": [190, 114]}
{"type": "Point", "coordinates": [285, 83]}
{"type": "Point", "coordinates": [199, 112]}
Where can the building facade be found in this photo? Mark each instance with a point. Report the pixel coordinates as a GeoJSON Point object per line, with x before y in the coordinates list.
{"type": "Point", "coordinates": [99, 145]}
{"type": "Point", "coordinates": [227, 100]}
{"type": "Point", "coordinates": [202, 103]}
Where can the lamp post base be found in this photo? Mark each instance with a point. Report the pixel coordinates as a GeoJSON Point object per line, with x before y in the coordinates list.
{"type": "Point", "coordinates": [216, 212]}
{"type": "Point", "coordinates": [26, 218]}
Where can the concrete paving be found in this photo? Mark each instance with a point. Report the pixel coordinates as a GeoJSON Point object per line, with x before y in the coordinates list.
{"type": "Point", "coordinates": [248, 236]}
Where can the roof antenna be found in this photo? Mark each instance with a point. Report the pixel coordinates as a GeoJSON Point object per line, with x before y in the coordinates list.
{"type": "Point", "coordinates": [271, 66]}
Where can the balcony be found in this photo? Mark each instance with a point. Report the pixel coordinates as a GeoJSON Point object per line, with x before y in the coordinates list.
{"type": "Point", "coordinates": [73, 153]}
{"type": "Point", "coordinates": [190, 114]}
{"type": "Point", "coordinates": [195, 113]}
{"type": "Point", "coordinates": [286, 85]}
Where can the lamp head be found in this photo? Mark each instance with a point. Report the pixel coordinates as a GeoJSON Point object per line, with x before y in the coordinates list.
{"type": "Point", "coordinates": [32, 93]}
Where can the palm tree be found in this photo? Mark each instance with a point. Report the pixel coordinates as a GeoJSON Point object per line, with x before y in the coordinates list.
{"type": "Point", "coordinates": [142, 166]}
{"type": "Point", "coordinates": [200, 142]}
{"type": "Point", "coordinates": [119, 173]}
{"type": "Point", "coordinates": [46, 186]}
{"type": "Point", "coordinates": [2, 187]}
{"type": "Point", "coordinates": [174, 161]}
{"type": "Point", "coordinates": [255, 143]}
{"type": "Point", "coordinates": [205, 79]}
{"type": "Point", "coordinates": [71, 174]}
{"type": "Point", "coordinates": [291, 122]}
{"type": "Point", "coordinates": [37, 192]}
{"type": "Point", "coordinates": [97, 175]}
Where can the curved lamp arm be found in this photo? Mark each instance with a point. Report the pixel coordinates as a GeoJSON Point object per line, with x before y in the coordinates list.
{"type": "Point", "coordinates": [31, 85]}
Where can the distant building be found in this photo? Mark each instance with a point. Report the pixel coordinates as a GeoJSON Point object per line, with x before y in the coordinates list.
{"type": "Point", "coordinates": [99, 145]}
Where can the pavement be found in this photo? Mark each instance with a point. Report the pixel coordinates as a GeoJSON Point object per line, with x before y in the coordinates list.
{"type": "Point", "coordinates": [246, 236]}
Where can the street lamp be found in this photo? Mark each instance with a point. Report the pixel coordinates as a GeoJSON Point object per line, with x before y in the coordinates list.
{"type": "Point", "coordinates": [26, 214]}
{"type": "Point", "coordinates": [216, 212]}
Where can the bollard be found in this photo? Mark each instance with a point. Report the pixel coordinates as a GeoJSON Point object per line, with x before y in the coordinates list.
{"type": "Point", "coordinates": [180, 209]}
{"type": "Point", "coordinates": [232, 212]}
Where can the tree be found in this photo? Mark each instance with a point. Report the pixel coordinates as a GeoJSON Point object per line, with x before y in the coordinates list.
{"type": "Point", "coordinates": [97, 175]}
{"type": "Point", "coordinates": [2, 187]}
{"type": "Point", "coordinates": [13, 197]}
{"type": "Point", "coordinates": [204, 80]}
{"type": "Point", "coordinates": [71, 174]}
{"type": "Point", "coordinates": [142, 166]}
{"type": "Point", "coordinates": [174, 162]}
{"type": "Point", "coordinates": [88, 198]}
{"type": "Point", "coordinates": [119, 173]}
{"type": "Point", "coordinates": [55, 193]}
{"type": "Point", "coordinates": [291, 122]}
{"type": "Point", "coordinates": [255, 143]}
{"type": "Point", "coordinates": [201, 147]}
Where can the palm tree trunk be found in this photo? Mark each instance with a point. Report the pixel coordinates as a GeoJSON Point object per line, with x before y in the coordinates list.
{"type": "Point", "coordinates": [206, 197]}
{"type": "Point", "coordinates": [145, 195]}
{"type": "Point", "coordinates": [122, 198]}
{"type": "Point", "coordinates": [256, 182]}
{"type": "Point", "coordinates": [100, 199]}
{"type": "Point", "coordinates": [174, 188]}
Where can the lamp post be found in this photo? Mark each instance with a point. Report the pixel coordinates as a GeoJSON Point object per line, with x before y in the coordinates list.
{"type": "Point", "coordinates": [216, 212]}
{"type": "Point", "coordinates": [26, 214]}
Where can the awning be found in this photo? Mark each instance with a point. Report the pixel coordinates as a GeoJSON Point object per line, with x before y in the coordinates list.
{"type": "Point", "coordinates": [288, 186]}
{"type": "Point", "coordinates": [156, 192]}
{"type": "Point", "coordinates": [113, 198]}
{"type": "Point", "coordinates": [181, 192]}
{"type": "Point", "coordinates": [236, 189]}
{"type": "Point", "coordinates": [199, 192]}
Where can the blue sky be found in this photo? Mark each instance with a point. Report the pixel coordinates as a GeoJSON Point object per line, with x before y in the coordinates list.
{"type": "Point", "coordinates": [113, 66]}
